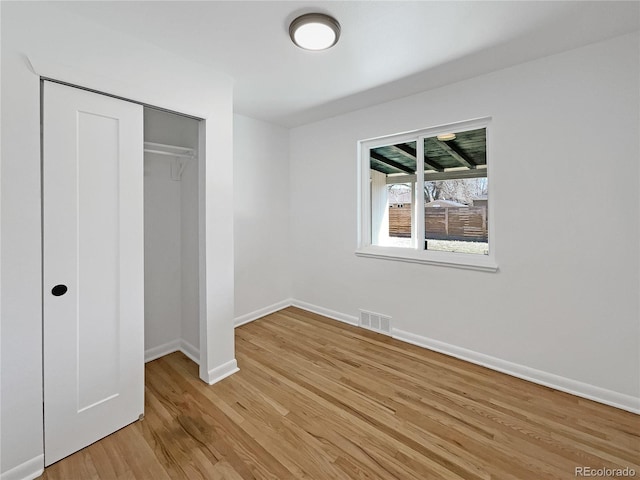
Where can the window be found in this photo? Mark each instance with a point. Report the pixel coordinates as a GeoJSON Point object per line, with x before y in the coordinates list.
{"type": "Point", "coordinates": [425, 197]}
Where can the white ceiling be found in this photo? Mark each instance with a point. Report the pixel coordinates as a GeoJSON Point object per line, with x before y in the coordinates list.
{"type": "Point", "coordinates": [387, 49]}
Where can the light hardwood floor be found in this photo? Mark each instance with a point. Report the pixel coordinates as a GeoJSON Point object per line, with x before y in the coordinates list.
{"type": "Point", "coordinates": [317, 399]}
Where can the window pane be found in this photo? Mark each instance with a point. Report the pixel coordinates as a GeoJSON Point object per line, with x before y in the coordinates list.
{"type": "Point", "coordinates": [392, 171]}
{"type": "Point", "coordinates": [456, 193]}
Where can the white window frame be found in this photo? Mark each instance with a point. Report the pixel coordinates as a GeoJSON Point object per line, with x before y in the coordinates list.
{"type": "Point", "coordinates": [417, 253]}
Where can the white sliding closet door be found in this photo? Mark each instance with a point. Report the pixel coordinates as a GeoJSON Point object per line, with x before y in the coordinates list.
{"type": "Point", "coordinates": [93, 267]}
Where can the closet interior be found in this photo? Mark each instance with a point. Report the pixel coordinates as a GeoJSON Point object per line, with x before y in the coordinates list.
{"type": "Point", "coordinates": [171, 270]}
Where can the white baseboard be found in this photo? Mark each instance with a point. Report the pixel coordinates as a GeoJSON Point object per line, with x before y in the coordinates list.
{"type": "Point", "coordinates": [262, 312]}
{"type": "Point", "coordinates": [223, 371]}
{"type": "Point", "coordinates": [290, 302]}
{"type": "Point", "coordinates": [26, 471]}
{"type": "Point", "coordinates": [574, 387]}
{"type": "Point", "coordinates": [190, 351]}
{"type": "Point", "coordinates": [341, 317]}
{"type": "Point", "coordinates": [178, 345]}
{"type": "Point", "coordinates": [557, 382]}
{"type": "Point", "coordinates": [161, 350]}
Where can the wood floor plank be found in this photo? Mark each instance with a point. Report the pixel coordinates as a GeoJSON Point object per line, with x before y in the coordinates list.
{"type": "Point", "coordinates": [318, 399]}
{"type": "Point", "coordinates": [469, 473]}
{"type": "Point", "coordinates": [317, 380]}
{"type": "Point", "coordinates": [111, 466]}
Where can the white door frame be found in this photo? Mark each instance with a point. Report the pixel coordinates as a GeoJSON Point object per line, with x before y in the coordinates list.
{"type": "Point", "coordinates": [217, 352]}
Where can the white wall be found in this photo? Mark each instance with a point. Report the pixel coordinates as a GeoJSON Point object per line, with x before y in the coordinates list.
{"type": "Point", "coordinates": [261, 215]}
{"type": "Point", "coordinates": [162, 262]}
{"type": "Point", "coordinates": [171, 235]}
{"type": "Point", "coordinates": [564, 163]}
{"type": "Point", "coordinates": [72, 49]}
{"type": "Point", "coordinates": [21, 262]}
{"type": "Point", "coordinates": [189, 328]}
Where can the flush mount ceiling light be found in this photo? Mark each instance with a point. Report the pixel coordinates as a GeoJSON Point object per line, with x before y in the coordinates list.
{"type": "Point", "coordinates": [446, 137]}
{"type": "Point", "coordinates": [314, 31]}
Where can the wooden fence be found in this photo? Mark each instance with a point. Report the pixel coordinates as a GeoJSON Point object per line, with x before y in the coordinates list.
{"type": "Point", "coordinates": [443, 223]}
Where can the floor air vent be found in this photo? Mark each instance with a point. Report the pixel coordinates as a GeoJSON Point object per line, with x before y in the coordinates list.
{"type": "Point", "coordinates": [376, 322]}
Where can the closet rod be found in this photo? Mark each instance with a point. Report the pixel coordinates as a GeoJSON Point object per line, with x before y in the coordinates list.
{"type": "Point", "coordinates": [164, 145]}
{"type": "Point", "coordinates": [170, 154]}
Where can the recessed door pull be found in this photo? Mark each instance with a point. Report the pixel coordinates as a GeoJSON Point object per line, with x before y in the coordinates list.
{"type": "Point", "coordinates": [59, 290]}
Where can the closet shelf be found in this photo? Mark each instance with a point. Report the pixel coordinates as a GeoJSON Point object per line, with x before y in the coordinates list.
{"type": "Point", "coordinates": [169, 150]}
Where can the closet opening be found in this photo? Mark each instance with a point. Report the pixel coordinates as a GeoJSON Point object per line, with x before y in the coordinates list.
{"type": "Point", "coordinates": [171, 235]}
{"type": "Point", "coordinates": [123, 236]}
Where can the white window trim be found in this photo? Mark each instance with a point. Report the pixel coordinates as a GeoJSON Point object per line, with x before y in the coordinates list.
{"type": "Point", "coordinates": [417, 254]}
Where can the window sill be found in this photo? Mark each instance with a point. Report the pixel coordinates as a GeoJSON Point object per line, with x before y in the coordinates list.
{"type": "Point", "coordinates": [466, 261]}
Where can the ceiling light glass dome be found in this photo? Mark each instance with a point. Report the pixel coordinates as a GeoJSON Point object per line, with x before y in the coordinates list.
{"type": "Point", "coordinates": [314, 31]}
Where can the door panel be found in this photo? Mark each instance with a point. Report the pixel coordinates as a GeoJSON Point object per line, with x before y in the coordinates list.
{"type": "Point", "coordinates": [92, 244]}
